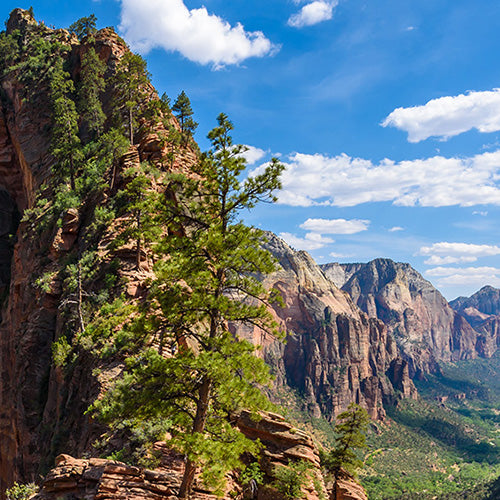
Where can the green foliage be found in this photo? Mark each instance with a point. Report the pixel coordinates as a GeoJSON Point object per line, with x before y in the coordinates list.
{"type": "Point", "coordinates": [252, 473]}
{"type": "Point", "coordinates": [290, 479]}
{"type": "Point", "coordinates": [9, 50]}
{"type": "Point", "coordinates": [61, 350]}
{"type": "Point", "coordinates": [65, 141]}
{"type": "Point", "coordinates": [184, 114]}
{"type": "Point", "coordinates": [83, 27]}
{"type": "Point", "coordinates": [130, 90]}
{"type": "Point", "coordinates": [138, 203]}
{"type": "Point", "coordinates": [89, 90]}
{"type": "Point", "coordinates": [40, 55]}
{"type": "Point", "coordinates": [351, 436]}
{"type": "Point", "coordinates": [203, 280]}
{"type": "Point", "coordinates": [21, 491]}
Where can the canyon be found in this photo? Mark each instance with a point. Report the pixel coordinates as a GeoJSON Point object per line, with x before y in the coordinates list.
{"type": "Point", "coordinates": [356, 333]}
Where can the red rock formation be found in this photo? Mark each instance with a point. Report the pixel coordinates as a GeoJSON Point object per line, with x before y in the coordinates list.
{"type": "Point", "coordinates": [99, 479]}
{"type": "Point", "coordinates": [424, 326]}
{"type": "Point", "coordinates": [334, 354]}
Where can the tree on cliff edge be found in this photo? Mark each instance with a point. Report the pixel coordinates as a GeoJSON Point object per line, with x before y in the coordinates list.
{"type": "Point", "coordinates": [351, 435]}
{"type": "Point", "coordinates": [204, 281]}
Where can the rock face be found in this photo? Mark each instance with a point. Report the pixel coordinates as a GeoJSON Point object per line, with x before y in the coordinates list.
{"type": "Point", "coordinates": [335, 354]}
{"type": "Point", "coordinates": [426, 329]}
{"type": "Point", "coordinates": [482, 311]}
{"type": "Point", "coordinates": [101, 479]}
{"type": "Point", "coordinates": [485, 301]}
{"type": "Point", "coordinates": [41, 406]}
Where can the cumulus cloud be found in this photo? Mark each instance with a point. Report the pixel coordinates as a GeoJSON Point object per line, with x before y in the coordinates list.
{"type": "Point", "coordinates": [199, 36]}
{"type": "Point", "coordinates": [313, 13]}
{"type": "Point", "coordinates": [312, 241]}
{"type": "Point", "coordinates": [252, 154]}
{"type": "Point", "coordinates": [395, 229]}
{"type": "Point", "coordinates": [445, 248]}
{"type": "Point", "coordinates": [432, 182]}
{"type": "Point", "coordinates": [454, 253]}
{"type": "Point", "coordinates": [337, 255]}
{"type": "Point", "coordinates": [465, 276]}
{"type": "Point", "coordinates": [436, 260]}
{"type": "Point", "coordinates": [449, 116]}
{"type": "Point", "coordinates": [335, 226]}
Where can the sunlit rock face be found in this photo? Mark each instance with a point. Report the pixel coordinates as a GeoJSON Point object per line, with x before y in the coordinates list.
{"type": "Point", "coordinates": [426, 329]}
{"type": "Point", "coordinates": [482, 311]}
{"type": "Point", "coordinates": [334, 354]}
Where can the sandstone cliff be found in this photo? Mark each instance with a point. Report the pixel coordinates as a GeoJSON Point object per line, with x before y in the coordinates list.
{"type": "Point", "coordinates": [106, 479]}
{"type": "Point", "coordinates": [334, 354]}
{"type": "Point", "coordinates": [42, 406]}
{"type": "Point", "coordinates": [482, 311]}
{"type": "Point", "coordinates": [426, 329]}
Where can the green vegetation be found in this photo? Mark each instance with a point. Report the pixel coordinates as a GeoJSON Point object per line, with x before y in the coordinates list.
{"type": "Point", "coordinates": [290, 480]}
{"type": "Point", "coordinates": [203, 281]}
{"type": "Point", "coordinates": [21, 491]}
{"type": "Point", "coordinates": [350, 433]}
{"type": "Point", "coordinates": [444, 449]}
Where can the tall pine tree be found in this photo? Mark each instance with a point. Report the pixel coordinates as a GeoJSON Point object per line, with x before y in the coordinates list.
{"type": "Point", "coordinates": [130, 90]}
{"type": "Point", "coordinates": [201, 376]}
{"type": "Point", "coordinates": [65, 141]}
{"type": "Point", "coordinates": [89, 91]}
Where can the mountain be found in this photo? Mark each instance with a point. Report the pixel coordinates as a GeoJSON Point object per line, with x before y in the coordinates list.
{"type": "Point", "coordinates": [335, 354]}
{"type": "Point", "coordinates": [426, 329]}
{"type": "Point", "coordinates": [482, 311]}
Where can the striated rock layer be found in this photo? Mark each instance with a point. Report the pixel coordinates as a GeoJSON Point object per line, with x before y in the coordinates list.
{"type": "Point", "coordinates": [106, 479]}
{"type": "Point", "coordinates": [482, 311]}
{"type": "Point", "coordinates": [41, 406]}
{"type": "Point", "coordinates": [334, 354]}
{"type": "Point", "coordinates": [426, 329]}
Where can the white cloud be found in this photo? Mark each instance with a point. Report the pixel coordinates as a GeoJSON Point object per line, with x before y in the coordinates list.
{"type": "Point", "coordinates": [313, 13]}
{"type": "Point", "coordinates": [396, 228]}
{"type": "Point", "coordinates": [201, 37]}
{"type": "Point", "coordinates": [449, 116]}
{"type": "Point", "coordinates": [436, 260]}
{"type": "Point", "coordinates": [465, 276]}
{"type": "Point", "coordinates": [479, 212]}
{"type": "Point", "coordinates": [445, 248]}
{"type": "Point", "coordinates": [337, 255]}
{"type": "Point", "coordinates": [454, 253]}
{"type": "Point", "coordinates": [312, 241]}
{"type": "Point", "coordinates": [252, 154]}
{"type": "Point", "coordinates": [432, 182]}
{"type": "Point", "coordinates": [335, 226]}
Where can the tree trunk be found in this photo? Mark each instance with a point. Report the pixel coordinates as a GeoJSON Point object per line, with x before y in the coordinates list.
{"type": "Point", "coordinates": [198, 426]}
{"type": "Point", "coordinates": [79, 296]}
{"type": "Point", "coordinates": [138, 241]}
{"type": "Point", "coordinates": [130, 126]}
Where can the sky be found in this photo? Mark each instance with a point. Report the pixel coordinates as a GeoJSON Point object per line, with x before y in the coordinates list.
{"type": "Point", "coordinates": [386, 114]}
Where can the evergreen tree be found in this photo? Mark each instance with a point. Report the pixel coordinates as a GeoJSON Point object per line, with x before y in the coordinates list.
{"type": "Point", "coordinates": [65, 140]}
{"type": "Point", "coordinates": [91, 86]}
{"type": "Point", "coordinates": [351, 435]}
{"type": "Point", "coordinates": [184, 114]}
{"type": "Point", "coordinates": [130, 89]}
{"type": "Point", "coordinates": [139, 201]}
{"type": "Point", "coordinates": [83, 27]}
{"type": "Point", "coordinates": [204, 281]}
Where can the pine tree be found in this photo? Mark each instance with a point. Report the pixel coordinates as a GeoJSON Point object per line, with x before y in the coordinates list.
{"type": "Point", "coordinates": [65, 140]}
{"type": "Point", "coordinates": [130, 90]}
{"type": "Point", "coordinates": [351, 435]}
{"type": "Point", "coordinates": [139, 200]}
{"type": "Point", "coordinates": [83, 27]}
{"type": "Point", "coordinates": [91, 86]}
{"type": "Point", "coordinates": [204, 281]}
{"type": "Point", "coordinates": [184, 114]}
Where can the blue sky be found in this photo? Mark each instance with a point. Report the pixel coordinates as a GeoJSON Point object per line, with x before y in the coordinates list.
{"type": "Point", "coordinates": [386, 114]}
